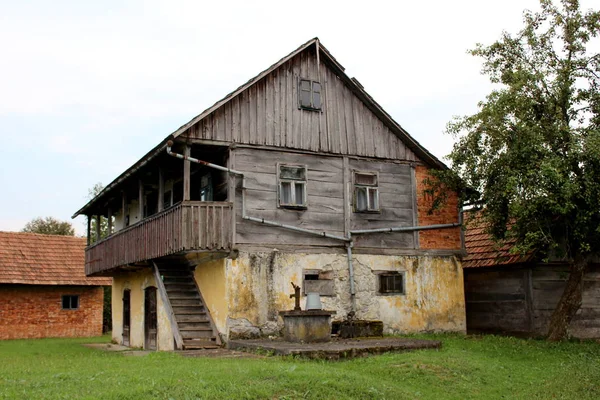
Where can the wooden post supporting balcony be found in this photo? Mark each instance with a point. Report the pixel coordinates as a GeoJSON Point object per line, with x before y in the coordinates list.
{"type": "Point", "coordinates": [140, 200]}
{"type": "Point", "coordinates": [98, 219]}
{"type": "Point", "coordinates": [161, 189]}
{"type": "Point", "coordinates": [110, 222]}
{"type": "Point", "coordinates": [89, 229]}
{"type": "Point", "coordinates": [186, 174]}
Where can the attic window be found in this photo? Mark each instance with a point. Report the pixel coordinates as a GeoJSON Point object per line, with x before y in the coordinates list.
{"type": "Point", "coordinates": [70, 302]}
{"type": "Point", "coordinates": [292, 186]}
{"type": "Point", "coordinates": [309, 95]}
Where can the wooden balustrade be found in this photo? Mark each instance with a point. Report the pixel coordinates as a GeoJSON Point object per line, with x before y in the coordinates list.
{"type": "Point", "coordinates": [187, 226]}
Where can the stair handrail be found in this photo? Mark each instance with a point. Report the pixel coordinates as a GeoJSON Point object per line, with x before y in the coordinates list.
{"type": "Point", "coordinates": [167, 303]}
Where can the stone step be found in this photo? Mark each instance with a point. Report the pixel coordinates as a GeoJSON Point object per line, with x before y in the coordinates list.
{"type": "Point", "coordinates": [183, 296]}
{"type": "Point", "coordinates": [174, 286]}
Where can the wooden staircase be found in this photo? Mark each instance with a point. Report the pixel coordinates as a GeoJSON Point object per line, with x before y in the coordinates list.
{"type": "Point", "coordinates": [193, 319]}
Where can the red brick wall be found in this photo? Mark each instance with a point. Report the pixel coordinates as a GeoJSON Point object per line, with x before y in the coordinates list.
{"type": "Point", "coordinates": [439, 238]}
{"type": "Point", "coordinates": [35, 311]}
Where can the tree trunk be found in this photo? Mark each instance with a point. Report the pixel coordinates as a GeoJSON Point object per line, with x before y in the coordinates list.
{"type": "Point", "coordinates": [569, 302]}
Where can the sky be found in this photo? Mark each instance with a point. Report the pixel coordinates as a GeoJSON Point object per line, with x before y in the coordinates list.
{"type": "Point", "coordinates": [87, 88]}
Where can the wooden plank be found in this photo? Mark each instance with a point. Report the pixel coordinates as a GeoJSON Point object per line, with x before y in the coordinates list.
{"type": "Point", "coordinates": [186, 174]}
{"type": "Point", "coordinates": [141, 200]}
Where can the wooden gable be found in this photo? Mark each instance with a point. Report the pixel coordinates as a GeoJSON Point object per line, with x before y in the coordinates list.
{"type": "Point", "coordinates": [266, 112]}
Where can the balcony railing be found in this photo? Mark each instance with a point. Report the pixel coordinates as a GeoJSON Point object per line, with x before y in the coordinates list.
{"type": "Point", "coordinates": [188, 226]}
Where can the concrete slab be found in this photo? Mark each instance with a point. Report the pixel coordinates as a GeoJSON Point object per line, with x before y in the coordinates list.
{"type": "Point", "coordinates": [217, 353]}
{"type": "Point", "coordinates": [336, 349]}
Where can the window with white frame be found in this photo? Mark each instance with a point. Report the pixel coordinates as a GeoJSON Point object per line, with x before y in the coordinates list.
{"type": "Point", "coordinates": [309, 94]}
{"type": "Point", "coordinates": [366, 192]}
{"type": "Point", "coordinates": [292, 186]}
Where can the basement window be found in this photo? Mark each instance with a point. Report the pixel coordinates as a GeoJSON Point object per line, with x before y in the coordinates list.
{"type": "Point", "coordinates": [391, 283]}
{"type": "Point", "coordinates": [309, 95]}
{"type": "Point", "coordinates": [292, 186]}
{"type": "Point", "coordinates": [366, 192]}
{"type": "Point", "coordinates": [70, 302]}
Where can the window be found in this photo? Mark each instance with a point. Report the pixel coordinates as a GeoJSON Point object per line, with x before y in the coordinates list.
{"type": "Point", "coordinates": [70, 302]}
{"type": "Point", "coordinates": [391, 283]}
{"type": "Point", "coordinates": [366, 192]}
{"type": "Point", "coordinates": [309, 94]}
{"type": "Point", "coordinates": [292, 186]}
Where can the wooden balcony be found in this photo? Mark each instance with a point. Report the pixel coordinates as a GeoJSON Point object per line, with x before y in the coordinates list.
{"type": "Point", "coordinates": [187, 226]}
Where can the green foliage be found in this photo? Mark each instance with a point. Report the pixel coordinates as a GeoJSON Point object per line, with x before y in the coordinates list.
{"type": "Point", "coordinates": [488, 367]}
{"type": "Point", "coordinates": [532, 151]}
{"type": "Point", "coordinates": [49, 226]}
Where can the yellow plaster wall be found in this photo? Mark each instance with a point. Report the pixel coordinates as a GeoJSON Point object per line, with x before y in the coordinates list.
{"type": "Point", "coordinates": [259, 287]}
{"type": "Point", "coordinates": [137, 282]}
{"type": "Point", "coordinates": [210, 277]}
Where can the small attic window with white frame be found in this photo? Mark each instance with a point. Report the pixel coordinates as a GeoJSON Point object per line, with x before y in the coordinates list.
{"type": "Point", "coordinates": [292, 186]}
{"type": "Point", "coordinates": [309, 95]}
{"type": "Point", "coordinates": [366, 191]}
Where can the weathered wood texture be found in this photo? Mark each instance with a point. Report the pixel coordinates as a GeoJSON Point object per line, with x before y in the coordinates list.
{"type": "Point", "coordinates": [522, 300]}
{"type": "Point", "coordinates": [188, 226]}
{"type": "Point", "coordinates": [268, 114]}
{"type": "Point", "coordinates": [326, 199]}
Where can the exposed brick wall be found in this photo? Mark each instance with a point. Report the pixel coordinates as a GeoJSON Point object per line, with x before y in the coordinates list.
{"type": "Point", "coordinates": [35, 311]}
{"type": "Point", "coordinates": [439, 238]}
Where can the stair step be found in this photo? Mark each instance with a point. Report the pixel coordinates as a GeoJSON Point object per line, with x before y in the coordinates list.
{"type": "Point", "coordinates": [197, 334]}
{"type": "Point", "coordinates": [184, 296]}
{"type": "Point", "coordinates": [185, 302]}
{"type": "Point", "coordinates": [186, 326]}
{"type": "Point", "coordinates": [187, 310]}
{"type": "Point", "coordinates": [195, 328]}
{"type": "Point", "coordinates": [195, 317]}
{"type": "Point", "coordinates": [179, 286]}
{"type": "Point", "coordinates": [191, 344]}
{"type": "Point", "coordinates": [175, 272]}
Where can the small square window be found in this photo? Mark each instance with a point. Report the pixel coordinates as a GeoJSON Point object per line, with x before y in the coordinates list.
{"type": "Point", "coordinates": [391, 283]}
{"type": "Point", "coordinates": [366, 192]}
{"type": "Point", "coordinates": [319, 282]}
{"type": "Point", "coordinates": [70, 302]}
{"type": "Point", "coordinates": [292, 186]}
{"type": "Point", "coordinates": [309, 94]}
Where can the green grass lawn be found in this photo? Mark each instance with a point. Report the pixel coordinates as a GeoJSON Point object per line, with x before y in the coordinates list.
{"type": "Point", "coordinates": [482, 367]}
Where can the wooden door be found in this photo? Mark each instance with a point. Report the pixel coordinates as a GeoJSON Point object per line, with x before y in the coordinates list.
{"type": "Point", "coordinates": [126, 316]}
{"type": "Point", "coordinates": [150, 323]}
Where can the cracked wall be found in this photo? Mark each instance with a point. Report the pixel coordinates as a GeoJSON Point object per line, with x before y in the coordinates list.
{"type": "Point", "coordinates": [259, 286]}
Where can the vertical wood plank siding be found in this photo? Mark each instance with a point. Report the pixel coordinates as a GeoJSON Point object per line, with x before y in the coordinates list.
{"type": "Point", "coordinates": [191, 225]}
{"type": "Point", "coordinates": [267, 114]}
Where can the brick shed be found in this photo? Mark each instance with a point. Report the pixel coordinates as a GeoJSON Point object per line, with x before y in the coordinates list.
{"type": "Point", "coordinates": [43, 288]}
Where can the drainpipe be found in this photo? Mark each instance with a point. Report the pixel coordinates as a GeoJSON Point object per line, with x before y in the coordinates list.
{"type": "Point", "coordinates": [409, 228]}
{"type": "Point", "coordinates": [351, 274]}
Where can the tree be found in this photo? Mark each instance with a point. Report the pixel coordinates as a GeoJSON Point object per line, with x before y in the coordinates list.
{"type": "Point", "coordinates": [49, 226]}
{"type": "Point", "coordinates": [532, 151]}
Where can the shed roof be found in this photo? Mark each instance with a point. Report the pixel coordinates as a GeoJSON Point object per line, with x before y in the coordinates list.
{"type": "Point", "coordinates": [483, 251]}
{"type": "Point", "coordinates": [34, 259]}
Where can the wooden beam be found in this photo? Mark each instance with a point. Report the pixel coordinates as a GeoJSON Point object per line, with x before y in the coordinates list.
{"type": "Point", "coordinates": [98, 220]}
{"type": "Point", "coordinates": [140, 200]}
{"type": "Point", "coordinates": [89, 229]}
{"type": "Point", "coordinates": [124, 209]}
{"type": "Point", "coordinates": [110, 221]}
{"type": "Point", "coordinates": [186, 174]}
{"type": "Point", "coordinates": [161, 189]}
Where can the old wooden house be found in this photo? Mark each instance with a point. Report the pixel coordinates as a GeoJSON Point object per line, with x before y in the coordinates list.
{"type": "Point", "coordinates": [296, 176]}
{"type": "Point", "coordinates": [43, 288]}
{"type": "Point", "coordinates": [516, 294]}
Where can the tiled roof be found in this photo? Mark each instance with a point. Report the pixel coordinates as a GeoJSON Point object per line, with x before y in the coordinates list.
{"type": "Point", "coordinates": [33, 259]}
{"type": "Point", "coordinates": [483, 251]}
